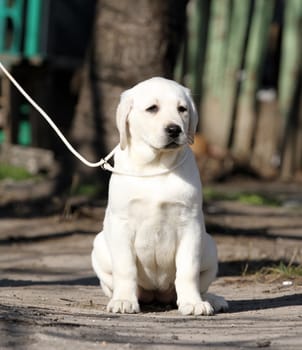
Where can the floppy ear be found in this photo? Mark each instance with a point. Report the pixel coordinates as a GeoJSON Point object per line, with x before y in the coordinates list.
{"type": "Point", "coordinates": [122, 113]}
{"type": "Point", "coordinates": [193, 117]}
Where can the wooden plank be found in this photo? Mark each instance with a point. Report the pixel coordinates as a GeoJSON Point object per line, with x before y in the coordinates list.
{"type": "Point", "coordinates": [292, 149]}
{"type": "Point", "coordinates": [236, 58]}
{"type": "Point", "coordinates": [32, 29]}
{"type": "Point", "coordinates": [291, 53]}
{"type": "Point", "coordinates": [225, 43]}
{"type": "Point", "coordinates": [213, 125]}
{"type": "Point", "coordinates": [264, 159]}
{"type": "Point", "coordinates": [299, 138]}
{"type": "Point", "coordinates": [192, 43]}
{"type": "Point", "coordinates": [4, 106]}
{"type": "Point", "coordinates": [198, 19]}
{"type": "Point", "coordinates": [257, 42]}
{"type": "Point", "coordinates": [289, 93]}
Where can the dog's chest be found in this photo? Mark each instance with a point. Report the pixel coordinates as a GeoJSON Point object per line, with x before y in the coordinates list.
{"type": "Point", "coordinates": [156, 227]}
{"type": "Point", "coordinates": [157, 212]}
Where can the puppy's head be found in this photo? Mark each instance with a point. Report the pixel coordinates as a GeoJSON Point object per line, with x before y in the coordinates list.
{"type": "Point", "coordinates": [158, 112]}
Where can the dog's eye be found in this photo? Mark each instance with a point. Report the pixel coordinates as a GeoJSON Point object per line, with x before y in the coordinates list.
{"type": "Point", "coordinates": [152, 109]}
{"type": "Point", "coordinates": [182, 109]}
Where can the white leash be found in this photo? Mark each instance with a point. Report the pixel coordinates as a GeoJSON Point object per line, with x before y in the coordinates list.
{"type": "Point", "coordinates": [52, 124]}
{"type": "Point", "coordinates": [102, 162]}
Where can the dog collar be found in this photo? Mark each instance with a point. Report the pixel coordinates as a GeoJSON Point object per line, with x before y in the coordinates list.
{"type": "Point", "coordinates": [104, 164]}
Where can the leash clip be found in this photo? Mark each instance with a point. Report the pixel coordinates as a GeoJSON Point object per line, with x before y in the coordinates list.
{"type": "Point", "coordinates": [103, 164]}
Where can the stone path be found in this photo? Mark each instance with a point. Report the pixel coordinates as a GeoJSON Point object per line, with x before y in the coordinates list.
{"type": "Point", "coordinates": [49, 297]}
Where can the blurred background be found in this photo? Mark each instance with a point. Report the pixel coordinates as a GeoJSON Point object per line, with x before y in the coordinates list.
{"type": "Point", "coordinates": [241, 60]}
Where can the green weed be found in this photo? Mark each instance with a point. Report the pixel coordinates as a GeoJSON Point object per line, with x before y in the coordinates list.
{"type": "Point", "coordinates": [282, 270]}
{"type": "Point", "coordinates": [88, 190]}
{"type": "Point", "coordinates": [15, 173]}
{"type": "Point", "coordinates": [242, 197]}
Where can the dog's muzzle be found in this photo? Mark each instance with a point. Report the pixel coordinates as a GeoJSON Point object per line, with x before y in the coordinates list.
{"type": "Point", "coordinates": [173, 131]}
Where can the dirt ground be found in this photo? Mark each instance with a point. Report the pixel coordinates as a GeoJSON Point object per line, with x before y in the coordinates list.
{"type": "Point", "coordinates": [50, 298]}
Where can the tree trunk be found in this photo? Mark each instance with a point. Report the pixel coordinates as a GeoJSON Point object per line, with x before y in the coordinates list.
{"type": "Point", "coordinates": [132, 41]}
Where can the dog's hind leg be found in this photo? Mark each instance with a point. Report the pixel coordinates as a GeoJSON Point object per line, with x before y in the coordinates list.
{"type": "Point", "coordinates": [208, 276]}
{"type": "Point", "coordinates": [101, 263]}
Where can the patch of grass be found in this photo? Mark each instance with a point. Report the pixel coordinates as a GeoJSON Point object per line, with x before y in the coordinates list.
{"type": "Point", "coordinates": [87, 190]}
{"type": "Point", "coordinates": [210, 195]}
{"type": "Point", "coordinates": [263, 270]}
{"type": "Point", "coordinates": [256, 199]}
{"type": "Point", "coordinates": [282, 270]}
{"type": "Point", "coordinates": [15, 173]}
{"type": "Point", "coordinates": [242, 197]}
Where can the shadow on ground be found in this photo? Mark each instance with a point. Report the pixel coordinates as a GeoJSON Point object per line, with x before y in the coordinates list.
{"type": "Point", "coordinates": [265, 303]}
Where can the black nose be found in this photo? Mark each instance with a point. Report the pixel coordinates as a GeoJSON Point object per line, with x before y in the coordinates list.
{"type": "Point", "coordinates": [173, 130]}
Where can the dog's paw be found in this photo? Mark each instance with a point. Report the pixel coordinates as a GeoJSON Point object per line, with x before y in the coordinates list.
{"type": "Point", "coordinates": [201, 308]}
{"type": "Point", "coordinates": [123, 306]}
{"type": "Point", "coordinates": [218, 303]}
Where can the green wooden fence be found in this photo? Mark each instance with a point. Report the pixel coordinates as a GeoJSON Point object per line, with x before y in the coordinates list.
{"type": "Point", "coordinates": [227, 48]}
{"type": "Point", "coordinates": [20, 21]}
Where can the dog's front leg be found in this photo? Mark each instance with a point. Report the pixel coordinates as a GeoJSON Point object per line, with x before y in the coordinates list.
{"type": "Point", "coordinates": [124, 298]}
{"type": "Point", "coordinates": [187, 282]}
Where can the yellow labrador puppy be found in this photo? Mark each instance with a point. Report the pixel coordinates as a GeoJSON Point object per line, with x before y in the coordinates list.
{"type": "Point", "coordinates": [154, 245]}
